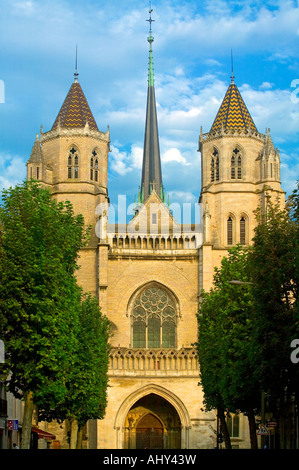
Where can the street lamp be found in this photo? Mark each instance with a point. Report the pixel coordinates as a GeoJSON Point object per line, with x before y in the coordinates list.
{"type": "Point", "coordinates": [240, 283]}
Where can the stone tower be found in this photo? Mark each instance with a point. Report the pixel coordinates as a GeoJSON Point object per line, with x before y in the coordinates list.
{"type": "Point", "coordinates": [72, 161]}
{"type": "Point", "coordinates": [240, 171]}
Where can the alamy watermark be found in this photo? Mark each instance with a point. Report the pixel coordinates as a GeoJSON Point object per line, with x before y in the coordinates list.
{"type": "Point", "coordinates": [295, 84]}
{"type": "Point", "coordinates": [152, 218]}
{"type": "Point", "coordinates": [2, 352]}
{"type": "Point", "coordinates": [295, 353]}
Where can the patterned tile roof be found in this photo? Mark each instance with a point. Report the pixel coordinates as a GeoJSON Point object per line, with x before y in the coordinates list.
{"type": "Point", "coordinates": [233, 113]}
{"type": "Point", "coordinates": [75, 111]}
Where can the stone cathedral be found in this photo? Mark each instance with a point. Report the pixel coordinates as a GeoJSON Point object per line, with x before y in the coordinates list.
{"type": "Point", "coordinates": [149, 272]}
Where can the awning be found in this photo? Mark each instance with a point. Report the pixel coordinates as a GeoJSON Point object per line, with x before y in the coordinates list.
{"type": "Point", "coordinates": [44, 434]}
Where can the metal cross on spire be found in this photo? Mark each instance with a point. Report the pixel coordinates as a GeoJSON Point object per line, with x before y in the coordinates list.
{"type": "Point", "coordinates": [150, 20]}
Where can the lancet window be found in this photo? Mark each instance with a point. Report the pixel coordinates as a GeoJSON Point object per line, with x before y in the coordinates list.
{"type": "Point", "coordinates": [215, 165]}
{"type": "Point", "coordinates": [73, 164]}
{"type": "Point", "coordinates": [229, 231]}
{"type": "Point", "coordinates": [243, 231]}
{"type": "Point", "coordinates": [236, 165]}
{"type": "Point", "coordinates": [94, 166]}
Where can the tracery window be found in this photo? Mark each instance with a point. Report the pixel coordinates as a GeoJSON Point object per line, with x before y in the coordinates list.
{"type": "Point", "coordinates": [94, 165]}
{"type": "Point", "coordinates": [215, 166]}
{"type": "Point", "coordinates": [73, 164]}
{"type": "Point", "coordinates": [236, 164]}
{"type": "Point", "coordinates": [229, 231]}
{"type": "Point", "coordinates": [154, 318]}
{"type": "Point", "coordinates": [212, 169]}
{"type": "Point", "coordinates": [243, 231]}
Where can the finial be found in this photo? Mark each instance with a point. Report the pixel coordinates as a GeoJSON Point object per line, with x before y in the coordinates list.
{"type": "Point", "coordinates": [76, 73]}
{"type": "Point", "coordinates": [150, 20]}
{"type": "Point", "coordinates": [232, 66]}
{"type": "Point", "coordinates": [150, 40]}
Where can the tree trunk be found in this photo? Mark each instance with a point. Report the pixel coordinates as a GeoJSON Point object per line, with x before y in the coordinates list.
{"type": "Point", "coordinates": [27, 421]}
{"type": "Point", "coordinates": [74, 434]}
{"type": "Point", "coordinates": [252, 429]}
{"type": "Point", "coordinates": [224, 429]}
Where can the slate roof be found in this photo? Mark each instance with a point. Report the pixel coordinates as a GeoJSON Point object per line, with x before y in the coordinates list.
{"type": "Point", "coordinates": [75, 111]}
{"type": "Point", "coordinates": [233, 113]}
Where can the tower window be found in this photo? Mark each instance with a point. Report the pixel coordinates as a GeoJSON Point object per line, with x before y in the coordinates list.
{"type": "Point", "coordinates": [73, 164]}
{"type": "Point", "coordinates": [233, 425]}
{"type": "Point", "coordinates": [154, 319]}
{"type": "Point", "coordinates": [242, 231]}
{"type": "Point", "coordinates": [229, 231]}
{"type": "Point", "coordinates": [94, 166]}
{"type": "Point", "coordinates": [236, 165]}
{"type": "Point", "coordinates": [212, 169]}
{"type": "Point", "coordinates": [215, 166]}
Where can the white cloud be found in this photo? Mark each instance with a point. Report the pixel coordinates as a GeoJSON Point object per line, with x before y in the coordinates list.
{"type": "Point", "coordinates": [12, 170]}
{"type": "Point", "coordinates": [119, 161]}
{"type": "Point", "coordinates": [173, 155]}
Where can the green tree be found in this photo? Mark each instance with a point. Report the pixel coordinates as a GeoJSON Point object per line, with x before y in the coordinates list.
{"type": "Point", "coordinates": [209, 356]}
{"type": "Point", "coordinates": [40, 241]}
{"type": "Point", "coordinates": [225, 323]}
{"type": "Point", "coordinates": [273, 264]}
{"type": "Point", "coordinates": [87, 379]}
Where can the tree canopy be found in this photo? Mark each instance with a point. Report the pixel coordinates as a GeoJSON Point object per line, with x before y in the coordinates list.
{"type": "Point", "coordinates": [43, 312]}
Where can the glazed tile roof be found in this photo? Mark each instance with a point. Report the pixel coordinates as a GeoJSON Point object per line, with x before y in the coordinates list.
{"type": "Point", "coordinates": [75, 111]}
{"type": "Point", "coordinates": [233, 113]}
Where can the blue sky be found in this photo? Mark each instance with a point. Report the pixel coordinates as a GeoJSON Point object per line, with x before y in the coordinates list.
{"type": "Point", "coordinates": [192, 63]}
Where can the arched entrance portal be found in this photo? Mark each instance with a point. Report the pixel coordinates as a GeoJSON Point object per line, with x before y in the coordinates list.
{"type": "Point", "coordinates": [152, 423]}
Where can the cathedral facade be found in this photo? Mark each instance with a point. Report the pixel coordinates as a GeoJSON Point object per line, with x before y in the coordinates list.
{"type": "Point", "coordinates": [148, 273]}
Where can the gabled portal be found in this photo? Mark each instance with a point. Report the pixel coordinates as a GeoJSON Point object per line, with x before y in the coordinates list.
{"type": "Point", "coordinates": [152, 423]}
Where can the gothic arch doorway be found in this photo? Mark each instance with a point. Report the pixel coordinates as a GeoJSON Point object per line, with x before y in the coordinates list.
{"type": "Point", "coordinates": [152, 423]}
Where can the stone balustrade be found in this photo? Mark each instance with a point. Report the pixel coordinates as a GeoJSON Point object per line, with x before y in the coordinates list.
{"type": "Point", "coordinates": [153, 362]}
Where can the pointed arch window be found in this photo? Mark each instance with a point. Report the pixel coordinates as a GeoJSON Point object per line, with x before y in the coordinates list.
{"type": "Point", "coordinates": [243, 231]}
{"type": "Point", "coordinates": [229, 231]}
{"type": "Point", "coordinates": [73, 164]}
{"type": "Point", "coordinates": [94, 165]}
{"type": "Point", "coordinates": [236, 165]}
{"type": "Point", "coordinates": [212, 169]}
{"type": "Point", "coordinates": [154, 319]}
{"type": "Point", "coordinates": [215, 165]}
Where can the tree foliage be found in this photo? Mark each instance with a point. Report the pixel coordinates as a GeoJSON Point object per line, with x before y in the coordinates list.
{"type": "Point", "coordinates": [55, 338]}
{"type": "Point", "coordinates": [274, 268]}
{"type": "Point", "coordinates": [224, 338]}
{"type": "Point", "coordinates": [246, 330]}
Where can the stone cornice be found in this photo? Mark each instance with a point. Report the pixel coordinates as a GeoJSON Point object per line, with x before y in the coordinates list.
{"type": "Point", "coordinates": [226, 133]}
{"type": "Point", "coordinates": [75, 132]}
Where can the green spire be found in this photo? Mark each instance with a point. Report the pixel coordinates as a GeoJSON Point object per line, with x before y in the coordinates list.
{"type": "Point", "coordinates": [151, 81]}
{"type": "Point", "coordinates": [150, 40]}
